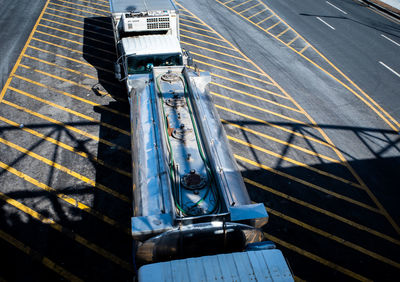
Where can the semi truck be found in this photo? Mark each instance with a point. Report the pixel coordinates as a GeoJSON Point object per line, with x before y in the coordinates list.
{"type": "Point", "coordinates": [193, 219]}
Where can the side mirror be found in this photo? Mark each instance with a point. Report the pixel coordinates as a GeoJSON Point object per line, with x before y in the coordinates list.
{"type": "Point", "coordinates": [189, 60]}
{"type": "Point", "coordinates": [117, 71]}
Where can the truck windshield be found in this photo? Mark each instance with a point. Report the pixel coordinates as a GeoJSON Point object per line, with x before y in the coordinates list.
{"type": "Point", "coordinates": [144, 64]}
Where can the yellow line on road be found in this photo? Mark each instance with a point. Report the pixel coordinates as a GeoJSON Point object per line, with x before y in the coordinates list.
{"type": "Point", "coordinates": [189, 21]}
{"type": "Point", "coordinates": [73, 26]}
{"type": "Point", "coordinates": [267, 18]}
{"type": "Point", "coordinates": [69, 233]}
{"type": "Point", "coordinates": [74, 97]}
{"type": "Point", "coordinates": [281, 142]}
{"type": "Point", "coordinates": [229, 1]}
{"type": "Point", "coordinates": [296, 121]}
{"type": "Point", "coordinates": [76, 42]}
{"type": "Point", "coordinates": [283, 32]}
{"type": "Point", "coordinates": [70, 111]}
{"type": "Point", "coordinates": [69, 127]}
{"type": "Point", "coordinates": [15, 67]}
{"type": "Point", "coordinates": [214, 51]}
{"type": "Point", "coordinates": [240, 4]}
{"type": "Point", "coordinates": [63, 79]}
{"type": "Point", "coordinates": [66, 198]}
{"type": "Point", "coordinates": [335, 238]}
{"type": "Point", "coordinates": [77, 34]}
{"type": "Point", "coordinates": [263, 10]}
{"type": "Point", "coordinates": [309, 184]}
{"type": "Point", "coordinates": [66, 170]}
{"type": "Point", "coordinates": [72, 8]}
{"type": "Point", "coordinates": [36, 255]}
{"type": "Point", "coordinates": [72, 20]}
{"type": "Point", "coordinates": [259, 97]}
{"type": "Point", "coordinates": [249, 8]}
{"type": "Point", "coordinates": [192, 32]}
{"type": "Point", "coordinates": [227, 63]}
{"type": "Point", "coordinates": [304, 48]}
{"type": "Point", "coordinates": [85, 6]}
{"type": "Point", "coordinates": [293, 40]}
{"type": "Point", "coordinates": [72, 50]}
{"type": "Point", "coordinates": [317, 258]}
{"type": "Point", "coordinates": [232, 71]}
{"type": "Point", "coordinates": [323, 211]}
{"type": "Point", "coordinates": [198, 28]}
{"type": "Point", "coordinates": [93, 2]}
{"type": "Point", "coordinates": [260, 121]}
{"type": "Point", "coordinates": [207, 42]}
{"type": "Point", "coordinates": [272, 26]}
{"type": "Point", "coordinates": [293, 161]}
{"type": "Point", "coordinates": [67, 147]}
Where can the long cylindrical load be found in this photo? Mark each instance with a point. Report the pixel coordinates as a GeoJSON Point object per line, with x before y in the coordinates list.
{"type": "Point", "coordinates": [184, 176]}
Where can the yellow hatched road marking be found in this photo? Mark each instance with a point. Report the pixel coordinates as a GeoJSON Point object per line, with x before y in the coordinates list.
{"type": "Point", "coordinates": [69, 111]}
{"type": "Point", "coordinates": [240, 4]}
{"type": "Point", "coordinates": [77, 34]}
{"type": "Point", "coordinates": [214, 51]}
{"type": "Point", "coordinates": [198, 28]}
{"type": "Point", "coordinates": [36, 255]}
{"type": "Point", "coordinates": [73, 26]}
{"type": "Point", "coordinates": [69, 233]}
{"type": "Point", "coordinates": [227, 63]}
{"type": "Point", "coordinates": [260, 109]}
{"type": "Point", "coordinates": [232, 71]}
{"type": "Point", "coordinates": [249, 8]}
{"type": "Point", "coordinates": [258, 97]}
{"type": "Point", "coordinates": [283, 32]}
{"type": "Point", "coordinates": [229, 1]}
{"type": "Point", "coordinates": [84, 133]}
{"type": "Point", "coordinates": [322, 211]}
{"type": "Point", "coordinates": [304, 48]}
{"type": "Point", "coordinates": [76, 15]}
{"type": "Point", "coordinates": [282, 142]}
{"type": "Point", "coordinates": [309, 184]}
{"type": "Point", "coordinates": [189, 21]}
{"type": "Point", "coordinates": [317, 258]}
{"type": "Point", "coordinates": [72, 8]}
{"type": "Point", "coordinates": [321, 172]}
{"type": "Point", "coordinates": [85, 6]}
{"type": "Point", "coordinates": [267, 18]}
{"type": "Point", "coordinates": [335, 238]}
{"type": "Point", "coordinates": [207, 42]}
{"type": "Point", "coordinates": [66, 170]}
{"type": "Point", "coordinates": [75, 42]}
{"type": "Point", "coordinates": [63, 79]}
{"type": "Point", "coordinates": [15, 67]}
{"type": "Point", "coordinates": [293, 40]}
{"type": "Point", "coordinates": [68, 69]}
{"type": "Point", "coordinates": [272, 26]}
{"type": "Point", "coordinates": [65, 198]}
{"type": "Point", "coordinates": [71, 59]}
{"type": "Point", "coordinates": [67, 147]}
{"type": "Point", "coordinates": [70, 49]}
{"type": "Point", "coordinates": [184, 14]}
{"type": "Point", "coordinates": [263, 10]}
{"type": "Point", "coordinates": [94, 3]}
{"type": "Point", "coordinates": [182, 29]}
{"type": "Point", "coordinates": [73, 96]}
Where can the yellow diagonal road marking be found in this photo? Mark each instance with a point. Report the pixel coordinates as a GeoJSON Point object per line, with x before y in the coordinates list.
{"type": "Point", "coordinates": [66, 170]}
{"type": "Point", "coordinates": [65, 146]}
{"type": "Point", "coordinates": [42, 259]}
{"type": "Point", "coordinates": [71, 234]}
{"type": "Point", "coordinates": [309, 184]}
{"type": "Point", "coordinates": [65, 198]}
{"type": "Point", "coordinates": [85, 6]}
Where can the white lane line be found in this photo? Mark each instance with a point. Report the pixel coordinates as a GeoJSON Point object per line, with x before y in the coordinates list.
{"type": "Point", "coordinates": [326, 23]}
{"type": "Point", "coordinates": [389, 68]}
{"type": "Point", "coordinates": [391, 40]}
{"type": "Point", "coordinates": [336, 7]}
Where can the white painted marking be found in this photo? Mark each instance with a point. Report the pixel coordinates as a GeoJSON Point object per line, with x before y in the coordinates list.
{"type": "Point", "coordinates": [336, 7]}
{"type": "Point", "coordinates": [389, 68]}
{"type": "Point", "coordinates": [391, 40]}
{"type": "Point", "coordinates": [326, 23]}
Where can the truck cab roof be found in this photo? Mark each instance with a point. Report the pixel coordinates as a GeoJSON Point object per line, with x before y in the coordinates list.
{"type": "Point", "coordinates": [151, 44]}
{"type": "Point", "coordinates": [123, 6]}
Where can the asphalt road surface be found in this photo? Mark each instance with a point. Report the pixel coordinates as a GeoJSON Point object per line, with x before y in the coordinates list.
{"type": "Point", "coordinates": [307, 95]}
